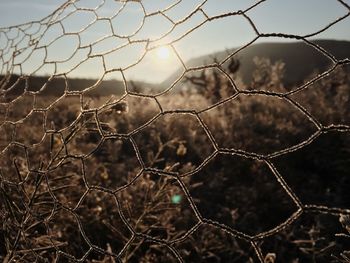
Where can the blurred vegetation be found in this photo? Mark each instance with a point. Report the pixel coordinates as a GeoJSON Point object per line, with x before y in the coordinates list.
{"type": "Point", "coordinates": [74, 193]}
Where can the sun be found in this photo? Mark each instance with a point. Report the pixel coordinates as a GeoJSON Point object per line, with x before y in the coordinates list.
{"type": "Point", "coordinates": [163, 53]}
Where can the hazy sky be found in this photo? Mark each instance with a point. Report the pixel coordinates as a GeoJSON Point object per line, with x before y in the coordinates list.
{"type": "Point", "coordinates": [284, 16]}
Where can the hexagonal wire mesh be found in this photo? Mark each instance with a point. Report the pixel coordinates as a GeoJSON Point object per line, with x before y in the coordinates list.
{"type": "Point", "coordinates": [81, 182]}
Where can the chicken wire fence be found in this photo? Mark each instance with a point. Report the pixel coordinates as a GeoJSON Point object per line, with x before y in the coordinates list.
{"type": "Point", "coordinates": [73, 181]}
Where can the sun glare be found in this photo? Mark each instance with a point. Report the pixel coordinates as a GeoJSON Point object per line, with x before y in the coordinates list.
{"type": "Point", "coordinates": [163, 53]}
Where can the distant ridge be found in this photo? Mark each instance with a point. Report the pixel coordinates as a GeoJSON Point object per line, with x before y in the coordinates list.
{"type": "Point", "coordinates": [57, 85]}
{"type": "Point", "coordinates": [301, 59]}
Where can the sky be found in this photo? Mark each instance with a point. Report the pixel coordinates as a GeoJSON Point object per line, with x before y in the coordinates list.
{"type": "Point", "coordinates": [62, 53]}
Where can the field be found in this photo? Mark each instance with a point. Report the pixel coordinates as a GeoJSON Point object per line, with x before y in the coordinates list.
{"type": "Point", "coordinates": [202, 172]}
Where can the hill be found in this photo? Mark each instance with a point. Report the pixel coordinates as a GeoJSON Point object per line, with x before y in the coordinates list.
{"type": "Point", "coordinates": [301, 59]}
{"type": "Point", "coordinates": [56, 86]}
